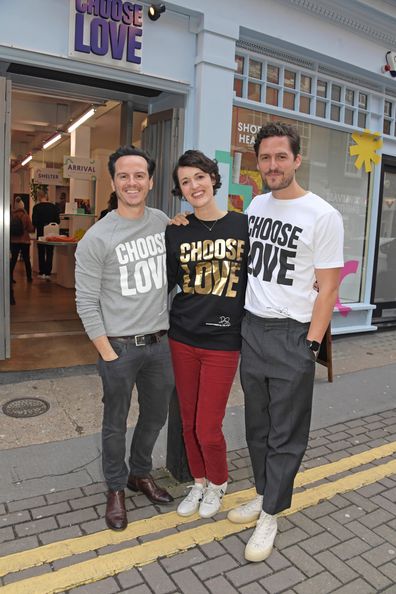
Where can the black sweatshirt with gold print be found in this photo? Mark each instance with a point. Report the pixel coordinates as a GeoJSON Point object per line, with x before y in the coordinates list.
{"type": "Point", "coordinates": [208, 261]}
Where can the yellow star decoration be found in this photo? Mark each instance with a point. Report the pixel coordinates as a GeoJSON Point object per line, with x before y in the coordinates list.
{"type": "Point", "coordinates": [367, 143]}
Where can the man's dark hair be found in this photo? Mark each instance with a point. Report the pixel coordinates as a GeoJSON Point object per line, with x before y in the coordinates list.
{"type": "Point", "coordinates": [125, 151]}
{"type": "Point", "coordinates": [194, 158]}
{"type": "Point", "coordinates": [279, 129]}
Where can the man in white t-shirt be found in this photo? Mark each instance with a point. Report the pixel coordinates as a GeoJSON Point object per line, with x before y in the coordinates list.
{"type": "Point", "coordinates": [296, 238]}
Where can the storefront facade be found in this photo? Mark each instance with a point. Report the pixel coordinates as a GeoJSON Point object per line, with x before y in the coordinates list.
{"type": "Point", "coordinates": [208, 77]}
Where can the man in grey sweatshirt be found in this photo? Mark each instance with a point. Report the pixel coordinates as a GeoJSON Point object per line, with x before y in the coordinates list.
{"type": "Point", "coordinates": [121, 296]}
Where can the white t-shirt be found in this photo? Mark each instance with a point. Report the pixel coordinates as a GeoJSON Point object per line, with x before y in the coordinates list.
{"type": "Point", "coordinates": [288, 240]}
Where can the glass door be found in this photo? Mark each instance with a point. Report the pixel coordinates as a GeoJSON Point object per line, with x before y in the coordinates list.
{"type": "Point", "coordinates": [5, 119]}
{"type": "Point", "coordinates": [384, 287]}
{"type": "Point", "coordinates": [162, 138]}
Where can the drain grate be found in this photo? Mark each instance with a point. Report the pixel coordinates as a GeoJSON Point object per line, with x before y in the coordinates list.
{"type": "Point", "coordinates": [22, 408]}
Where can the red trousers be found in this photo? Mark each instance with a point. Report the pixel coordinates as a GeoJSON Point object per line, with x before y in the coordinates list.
{"type": "Point", "coordinates": [203, 382]}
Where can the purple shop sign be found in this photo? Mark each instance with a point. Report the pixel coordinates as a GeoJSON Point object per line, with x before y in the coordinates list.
{"type": "Point", "coordinates": [109, 32]}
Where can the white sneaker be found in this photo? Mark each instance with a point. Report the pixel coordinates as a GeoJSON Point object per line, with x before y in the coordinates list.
{"type": "Point", "coordinates": [211, 502]}
{"type": "Point", "coordinates": [190, 504]}
{"type": "Point", "coordinates": [260, 544]}
{"type": "Point", "coordinates": [247, 513]}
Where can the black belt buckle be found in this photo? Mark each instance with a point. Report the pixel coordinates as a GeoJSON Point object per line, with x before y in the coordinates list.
{"type": "Point", "coordinates": [140, 340]}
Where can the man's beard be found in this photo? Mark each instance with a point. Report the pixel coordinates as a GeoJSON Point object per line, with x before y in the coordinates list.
{"type": "Point", "coordinates": [279, 184]}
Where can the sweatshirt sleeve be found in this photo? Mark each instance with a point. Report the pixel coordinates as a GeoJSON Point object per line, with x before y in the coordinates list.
{"type": "Point", "coordinates": [90, 254]}
{"type": "Point", "coordinates": [172, 264]}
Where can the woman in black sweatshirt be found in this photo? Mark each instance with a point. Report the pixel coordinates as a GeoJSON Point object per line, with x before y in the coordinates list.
{"type": "Point", "coordinates": [207, 259]}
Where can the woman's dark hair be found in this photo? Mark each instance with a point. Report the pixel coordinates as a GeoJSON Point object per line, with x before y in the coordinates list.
{"type": "Point", "coordinates": [125, 151]}
{"type": "Point", "coordinates": [279, 129]}
{"type": "Point", "coordinates": [197, 159]}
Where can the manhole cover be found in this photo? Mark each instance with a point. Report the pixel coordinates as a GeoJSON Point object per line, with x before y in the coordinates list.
{"type": "Point", "coordinates": [22, 408]}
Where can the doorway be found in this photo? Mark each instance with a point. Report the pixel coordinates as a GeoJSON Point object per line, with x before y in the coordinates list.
{"type": "Point", "coordinates": [43, 327]}
{"type": "Point", "coordinates": [384, 286]}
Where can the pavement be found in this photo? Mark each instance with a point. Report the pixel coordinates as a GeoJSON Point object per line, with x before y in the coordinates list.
{"type": "Point", "coordinates": [338, 537]}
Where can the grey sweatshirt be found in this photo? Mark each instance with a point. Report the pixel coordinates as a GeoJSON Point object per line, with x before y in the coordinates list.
{"type": "Point", "coordinates": [121, 286]}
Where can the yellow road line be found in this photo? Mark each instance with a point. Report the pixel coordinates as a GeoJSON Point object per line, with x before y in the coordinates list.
{"type": "Point", "coordinates": [74, 546]}
{"type": "Point", "coordinates": [113, 563]}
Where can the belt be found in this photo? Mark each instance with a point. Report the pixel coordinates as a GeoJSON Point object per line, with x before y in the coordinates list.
{"type": "Point", "coordinates": [140, 339]}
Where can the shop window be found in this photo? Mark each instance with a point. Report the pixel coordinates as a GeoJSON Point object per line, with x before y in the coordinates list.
{"type": "Point", "coordinates": [305, 104]}
{"type": "Point", "coordinates": [335, 112]}
{"type": "Point", "coordinates": [362, 119]}
{"type": "Point", "coordinates": [362, 100]}
{"type": "Point", "coordinates": [336, 92]}
{"type": "Point", "coordinates": [272, 74]}
{"type": "Point", "coordinates": [288, 100]}
{"type": "Point", "coordinates": [327, 169]}
{"type": "Point", "coordinates": [349, 96]}
{"type": "Point", "coordinates": [321, 109]}
{"type": "Point", "coordinates": [388, 113]}
{"type": "Point", "coordinates": [255, 69]}
{"type": "Point", "coordinates": [290, 79]}
{"type": "Point", "coordinates": [348, 117]}
{"type": "Point", "coordinates": [240, 62]}
{"type": "Point", "coordinates": [271, 96]}
{"type": "Point", "coordinates": [305, 83]}
{"type": "Point", "coordinates": [254, 92]}
{"type": "Point", "coordinates": [321, 90]}
{"type": "Point", "coordinates": [284, 88]}
{"type": "Point", "coordinates": [238, 87]}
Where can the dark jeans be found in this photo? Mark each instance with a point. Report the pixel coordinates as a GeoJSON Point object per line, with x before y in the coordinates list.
{"type": "Point", "coordinates": [22, 248]}
{"type": "Point", "coordinates": [150, 367]}
{"type": "Point", "coordinates": [277, 375]}
{"type": "Point", "coordinates": [45, 255]}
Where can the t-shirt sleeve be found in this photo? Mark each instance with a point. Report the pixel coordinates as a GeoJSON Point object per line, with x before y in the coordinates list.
{"type": "Point", "coordinates": [88, 275]}
{"type": "Point", "coordinates": [329, 241]}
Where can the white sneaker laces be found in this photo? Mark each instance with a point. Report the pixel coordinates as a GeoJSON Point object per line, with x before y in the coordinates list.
{"type": "Point", "coordinates": [195, 493]}
{"type": "Point", "coordinates": [212, 494]}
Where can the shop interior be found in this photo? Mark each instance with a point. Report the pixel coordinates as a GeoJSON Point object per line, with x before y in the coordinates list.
{"type": "Point", "coordinates": [45, 329]}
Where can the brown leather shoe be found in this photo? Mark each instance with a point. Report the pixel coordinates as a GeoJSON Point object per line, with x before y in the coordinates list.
{"type": "Point", "coordinates": [116, 518]}
{"type": "Point", "coordinates": [146, 485]}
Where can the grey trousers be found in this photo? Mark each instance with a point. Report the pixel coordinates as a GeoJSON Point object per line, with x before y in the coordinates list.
{"type": "Point", "coordinates": [150, 367]}
{"type": "Point", "coordinates": [277, 374]}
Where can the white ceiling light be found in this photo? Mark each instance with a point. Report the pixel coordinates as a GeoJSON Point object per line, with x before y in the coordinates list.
{"type": "Point", "coordinates": [26, 160]}
{"type": "Point", "coordinates": [52, 140]}
{"type": "Point", "coordinates": [81, 120]}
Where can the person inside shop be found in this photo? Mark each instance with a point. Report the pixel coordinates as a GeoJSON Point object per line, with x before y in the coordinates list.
{"type": "Point", "coordinates": [62, 202]}
{"type": "Point", "coordinates": [20, 228]}
{"type": "Point", "coordinates": [295, 237]}
{"type": "Point", "coordinates": [207, 259]}
{"type": "Point", "coordinates": [111, 205]}
{"type": "Point", "coordinates": [121, 296]}
{"type": "Point", "coordinates": [44, 212]}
